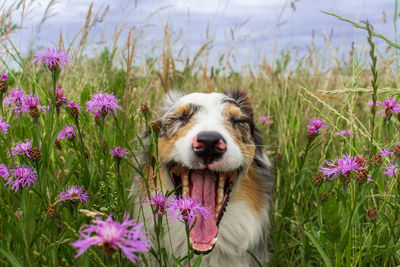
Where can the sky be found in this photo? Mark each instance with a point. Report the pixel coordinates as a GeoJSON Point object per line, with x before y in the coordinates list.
{"type": "Point", "coordinates": [253, 29]}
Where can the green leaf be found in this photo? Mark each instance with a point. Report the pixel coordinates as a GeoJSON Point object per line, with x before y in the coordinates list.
{"type": "Point", "coordinates": [198, 261]}
{"type": "Point", "coordinates": [319, 248]}
{"type": "Point", "coordinates": [10, 257]}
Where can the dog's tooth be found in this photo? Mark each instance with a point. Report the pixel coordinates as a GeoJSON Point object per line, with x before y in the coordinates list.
{"type": "Point", "coordinates": [217, 210]}
{"type": "Point", "coordinates": [214, 241]}
{"type": "Point", "coordinates": [185, 180]}
{"type": "Point", "coordinates": [220, 195]}
{"type": "Point", "coordinates": [221, 181]}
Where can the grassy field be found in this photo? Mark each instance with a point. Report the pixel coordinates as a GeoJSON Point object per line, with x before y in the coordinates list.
{"type": "Point", "coordinates": [349, 220]}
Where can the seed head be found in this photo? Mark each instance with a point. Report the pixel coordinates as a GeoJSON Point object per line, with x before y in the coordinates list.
{"type": "Point", "coordinates": [397, 149]}
{"type": "Point", "coordinates": [376, 159]}
{"type": "Point", "coordinates": [346, 177]}
{"type": "Point", "coordinates": [144, 108]}
{"type": "Point", "coordinates": [361, 175]}
{"type": "Point", "coordinates": [372, 214]}
{"type": "Point", "coordinates": [155, 126]}
{"type": "Point", "coordinates": [3, 83]}
{"type": "Point", "coordinates": [311, 136]}
{"type": "Point", "coordinates": [51, 211]}
{"type": "Point", "coordinates": [318, 178]}
{"type": "Point", "coordinates": [18, 214]}
{"type": "Point", "coordinates": [34, 111]}
{"type": "Point", "coordinates": [35, 154]}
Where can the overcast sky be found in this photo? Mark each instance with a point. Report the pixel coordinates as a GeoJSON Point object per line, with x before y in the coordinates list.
{"type": "Point", "coordinates": [253, 27]}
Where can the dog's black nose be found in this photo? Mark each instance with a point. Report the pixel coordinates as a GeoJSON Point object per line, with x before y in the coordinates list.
{"type": "Point", "coordinates": [209, 146]}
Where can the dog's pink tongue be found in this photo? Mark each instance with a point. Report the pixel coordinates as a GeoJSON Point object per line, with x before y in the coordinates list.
{"type": "Point", "coordinates": [203, 191]}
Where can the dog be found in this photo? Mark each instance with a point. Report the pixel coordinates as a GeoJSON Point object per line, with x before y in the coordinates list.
{"type": "Point", "coordinates": [209, 149]}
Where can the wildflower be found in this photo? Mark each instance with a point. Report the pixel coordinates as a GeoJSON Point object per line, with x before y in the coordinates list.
{"type": "Point", "coordinates": [60, 97]}
{"type": "Point", "coordinates": [385, 153]}
{"type": "Point", "coordinates": [51, 211]}
{"type": "Point", "coordinates": [390, 105]}
{"type": "Point", "coordinates": [144, 108]}
{"type": "Point", "coordinates": [344, 165]}
{"type": "Point", "coordinates": [396, 150]}
{"type": "Point", "coordinates": [15, 99]}
{"type": "Point", "coordinates": [152, 86]}
{"type": "Point", "coordinates": [118, 153]}
{"type": "Point", "coordinates": [35, 154]}
{"type": "Point", "coordinates": [315, 125]}
{"type": "Point", "coordinates": [376, 159]}
{"type": "Point", "coordinates": [67, 132]}
{"type": "Point", "coordinates": [18, 214]}
{"type": "Point", "coordinates": [185, 209]}
{"type": "Point", "coordinates": [74, 192]}
{"type": "Point", "coordinates": [30, 103]}
{"type": "Point", "coordinates": [361, 175]}
{"type": "Point", "coordinates": [266, 120]}
{"type": "Point", "coordinates": [4, 126]}
{"type": "Point", "coordinates": [318, 178]}
{"type": "Point", "coordinates": [73, 109]}
{"type": "Point", "coordinates": [343, 133]}
{"type": "Point", "coordinates": [111, 235]}
{"type": "Point", "coordinates": [19, 176]}
{"type": "Point", "coordinates": [159, 203]}
{"type": "Point", "coordinates": [102, 104]}
{"type": "Point", "coordinates": [314, 128]}
{"type": "Point", "coordinates": [21, 148]}
{"type": "Point", "coordinates": [155, 126]}
{"type": "Point", "coordinates": [53, 59]}
{"type": "Point", "coordinates": [391, 169]}
{"type": "Point", "coordinates": [3, 83]}
{"type": "Point", "coordinates": [372, 214]}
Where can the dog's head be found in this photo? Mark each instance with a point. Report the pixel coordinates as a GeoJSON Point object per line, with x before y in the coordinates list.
{"type": "Point", "coordinates": [207, 143]}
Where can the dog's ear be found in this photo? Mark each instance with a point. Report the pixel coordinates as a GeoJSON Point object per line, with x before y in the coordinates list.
{"type": "Point", "coordinates": [242, 99]}
{"type": "Point", "coordinates": [169, 101]}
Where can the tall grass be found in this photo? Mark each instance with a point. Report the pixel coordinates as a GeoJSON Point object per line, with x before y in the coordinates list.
{"type": "Point", "coordinates": [326, 223]}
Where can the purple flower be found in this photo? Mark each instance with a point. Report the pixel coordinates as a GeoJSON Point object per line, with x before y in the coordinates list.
{"type": "Point", "coordinates": [22, 148]}
{"type": "Point", "coordinates": [343, 133]}
{"type": "Point", "coordinates": [4, 126]}
{"type": "Point", "coordinates": [390, 105]}
{"type": "Point", "coordinates": [342, 166]}
{"type": "Point", "coordinates": [186, 209]}
{"type": "Point", "coordinates": [102, 104]}
{"type": "Point", "coordinates": [128, 236]}
{"type": "Point", "coordinates": [153, 85]}
{"type": "Point", "coordinates": [60, 97]}
{"type": "Point", "coordinates": [4, 76]}
{"type": "Point", "coordinates": [71, 104]}
{"type": "Point", "coordinates": [67, 132]}
{"type": "Point", "coordinates": [315, 125]}
{"type": "Point", "coordinates": [385, 153]}
{"type": "Point", "coordinates": [19, 176]}
{"type": "Point", "coordinates": [392, 169]}
{"type": "Point", "coordinates": [28, 103]}
{"type": "Point", "coordinates": [53, 58]}
{"type": "Point", "coordinates": [15, 99]}
{"type": "Point", "coordinates": [74, 192]}
{"type": "Point", "coordinates": [118, 151]}
{"type": "Point", "coordinates": [159, 203]}
{"type": "Point", "coordinates": [266, 120]}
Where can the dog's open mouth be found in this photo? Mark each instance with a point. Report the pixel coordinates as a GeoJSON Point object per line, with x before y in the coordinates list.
{"type": "Point", "coordinates": [209, 188]}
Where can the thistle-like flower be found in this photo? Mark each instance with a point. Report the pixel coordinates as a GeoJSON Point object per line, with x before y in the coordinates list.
{"type": "Point", "coordinates": [30, 104]}
{"type": "Point", "coordinates": [118, 153]}
{"type": "Point", "coordinates": [186, 209]}
{"type": "Point", "coordinates": [22, 148]}
{"type": "Point", "coordinates": [18, 177]}
{"type": "Point", "coordinates": [111, 235]}
{"type": "Point", "coordinates": [3, 83]}
{"type": "Point", "coordinates": [392, 169]}
{"type": "Point", "coordinates": [265, 120]}
{"type": "Point", "coordinates": [61, 99]}
{"type": "Point", "coordinates": [15, 99]}
{"type": "Point", "coordinates": [342, 133]}
{"type": "Point", "coordinates": [67, 132]}
{"type": "Point", "coordinates": [73, 193]}
{"type": "Point", "coordinates": [4, 126]}
{"type": "Point", "coordinates": [53, 59]}
{"type": "Point", "coordinates": [158, 201]}
{"type": "Point", "coordinates": [344, 166]}
{"type": "Point", "coordinates": [390, 105]}
{"type": "Point", "coordinates": [102, 104]}
{"type": "Point", "coordinates": [314, 128]}
{"type": "Point", "coordinates": [73, 109]}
